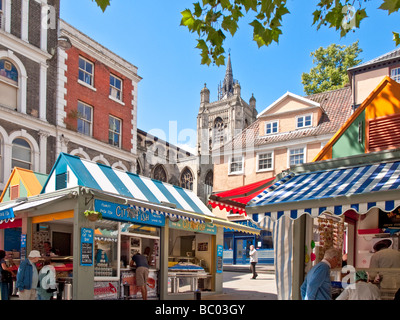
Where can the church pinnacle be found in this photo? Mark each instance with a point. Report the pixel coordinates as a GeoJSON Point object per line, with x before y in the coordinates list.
{"type": "Point", "coordinates": [226, 90]}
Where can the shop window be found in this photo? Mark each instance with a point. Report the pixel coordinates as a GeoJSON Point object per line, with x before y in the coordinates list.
{"type": "Point", "coordinates": [21, 154]}
{"type": "Point", "coordinates": [187, 179]}
{"type": "Point", "coordinates": [106, 249]}
{"type": "Point", "coordinates": [8, 84]}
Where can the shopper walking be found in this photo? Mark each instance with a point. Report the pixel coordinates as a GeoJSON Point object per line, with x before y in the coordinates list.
{"type": "Point", "coordinates": [6, 277]}
{"type": "Point", "coordinates": [317, 285]}
{"type": "Point", "coordinates": [253, 261]}
{"type": "Point", "coordinates": [27, 276]}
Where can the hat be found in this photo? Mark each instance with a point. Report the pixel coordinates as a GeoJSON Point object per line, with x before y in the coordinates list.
{"type": "Point", "coordinates": [361, 275]}
{"type": "Point", "coordinates": [34, 254]}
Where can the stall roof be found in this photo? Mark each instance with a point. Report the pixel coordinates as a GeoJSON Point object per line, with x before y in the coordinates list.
{"type": "Point", "coordinates": [358, 188]}
{"type": "Point", "coordinates": [235, 200]}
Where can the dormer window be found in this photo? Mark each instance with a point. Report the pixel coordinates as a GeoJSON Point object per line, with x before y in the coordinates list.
{"type": "Point", "coordinates": [271, 127]}
{"type": "Point", "coordinates": [304, 121]}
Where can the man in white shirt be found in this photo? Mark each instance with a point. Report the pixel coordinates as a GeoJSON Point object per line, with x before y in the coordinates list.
{"type": "Point", "coordinates": [361, 289]}
{"type": "Point", "coordinates": [253, 261]}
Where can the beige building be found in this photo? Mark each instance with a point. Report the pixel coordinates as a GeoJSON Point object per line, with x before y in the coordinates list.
{"type": "Point", "coordinates": [291, 131]}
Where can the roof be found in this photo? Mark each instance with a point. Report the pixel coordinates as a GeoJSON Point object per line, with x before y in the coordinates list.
{"type": "Point", "coordinates": [30, 183]}
{"type": "Point", "coordinates": [235, 200]}
{"type": "Point", "coordinates": [335, 103]}
{"type": "Point", "coordinates": [385, 58]}
{"type": "Point", "coordinates": [356, 188]}
{"type": "Point", "coordinates": [85, 173]}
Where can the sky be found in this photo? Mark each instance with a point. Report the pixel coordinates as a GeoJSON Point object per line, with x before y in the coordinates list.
{"type": "Point", "coordinates": [148, 35]}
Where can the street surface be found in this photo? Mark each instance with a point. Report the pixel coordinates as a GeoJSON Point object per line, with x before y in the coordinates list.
{"type": "Point", "coordinates": [239, 286]}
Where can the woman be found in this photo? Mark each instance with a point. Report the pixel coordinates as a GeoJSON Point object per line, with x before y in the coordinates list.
{"type": "Point", "coordinates": [6, 277]}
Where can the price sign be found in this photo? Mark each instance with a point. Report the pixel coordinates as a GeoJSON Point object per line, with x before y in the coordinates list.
{"type": "Point", "coordinates": [87, 244]}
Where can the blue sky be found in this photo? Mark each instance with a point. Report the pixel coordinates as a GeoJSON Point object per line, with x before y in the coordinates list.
{"type": "Point", "coordinates": [148, 34]}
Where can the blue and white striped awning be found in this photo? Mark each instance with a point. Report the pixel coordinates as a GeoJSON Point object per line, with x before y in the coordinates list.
{"type": "Point", "coordinates": [358, 188]}
{"type": "Point", "coordinates": [156, 196]}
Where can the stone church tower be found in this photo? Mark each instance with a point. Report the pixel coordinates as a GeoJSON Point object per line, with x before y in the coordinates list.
{"type": "Point", "coordinates": [218, 122]}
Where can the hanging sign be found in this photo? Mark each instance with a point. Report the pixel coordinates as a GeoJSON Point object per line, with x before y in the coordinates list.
{"type": "Point", "coordinates": [120, 212]}
{"type": "Point", "coordinates": [87, 241]}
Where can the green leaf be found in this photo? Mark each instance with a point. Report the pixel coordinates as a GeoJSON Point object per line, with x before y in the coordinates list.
{"type": "Point", "coordinates": [103, 4]}
{"type": "Point", "coordinates": [396, 38]}
{"type": "Point", "coordinates": [390, 5]}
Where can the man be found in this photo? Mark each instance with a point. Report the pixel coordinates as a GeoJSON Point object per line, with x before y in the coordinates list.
{"type": "Point", "coordinates": [384, 257]}
{"type": "Point", "coordinates": [142, 272]}
{"type": "Point", "coordinates": [253, 261]}
{"type": "Point", "coordinates": [361, 289]}
{"type": "Point", "coordinates": [27, 276]}
{"type": "Point", "coordinates": [317, 285]}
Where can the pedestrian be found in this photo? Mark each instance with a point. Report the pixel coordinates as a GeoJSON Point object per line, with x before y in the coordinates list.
{"type": "Point", "coordinates": [361, 289]}
{"type": "Point", "coordinates": [49, 251]}
{"type": "Point", "coordinates": [47, 281]}
{"type": "Point", "coordinates": [317, 285]}
{"type": "Point", "coordinates": [253, 261]}
{"type": "Point", "coordinates": [142, 272]}
{"type": "Point", "coordinates": [27, 276]}
{"type": "Point", "coordinates": [6, 277]}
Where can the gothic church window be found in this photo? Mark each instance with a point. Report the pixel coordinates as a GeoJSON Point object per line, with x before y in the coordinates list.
{"type": "Point", "coordinates": [21, 154]}
{"type": "Point", "coordinates": [218, 130]}
{"type": "Point", "coordinates": [160, 174]}
{"type": "Point", "coordinates": [8, 84]}
{"type": "Point", "coordinates": [187, 179]}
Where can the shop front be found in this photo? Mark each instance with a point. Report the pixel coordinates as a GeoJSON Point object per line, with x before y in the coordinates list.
{"type": "Point", "coordinates": [132, 214]}
{"type": "Point", "coordinates": [338, 203]}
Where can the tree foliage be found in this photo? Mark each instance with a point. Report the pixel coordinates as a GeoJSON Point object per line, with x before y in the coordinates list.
{"type": "Point", "coordinates": [212, 20]}
{"type": "Point", "coordinates": [330, 71]}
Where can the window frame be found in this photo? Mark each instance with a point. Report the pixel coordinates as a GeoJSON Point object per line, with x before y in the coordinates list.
{"type": "Point", "coordinates": [115, 132]}
{"type": "Point", "coordinates": [304, 153]}
{"type": "Point", "coordinates": [304, 121]}
{"type": "Point", "coordinates": [86, 72]}
{"type": "Point", "coordinates": [395, 77]}
{"type": "Point", "coordinates": [239, 172]}
{"type": "Point", "coordinates": [258, 161]}
{"type": "Point", "coordinates": [22, 161]}
{"type": "Point", "coordinates": [84, 120]}
{"type": "Point", "coordinates": [120, 91]}
{"type": "Point", "coordinates": [272, 127]}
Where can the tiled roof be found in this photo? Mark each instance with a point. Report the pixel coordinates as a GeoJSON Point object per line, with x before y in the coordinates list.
{"type": "Point", "coordinates": [335, 103]}
{"type": "Point", "coordinates": [383, 58]}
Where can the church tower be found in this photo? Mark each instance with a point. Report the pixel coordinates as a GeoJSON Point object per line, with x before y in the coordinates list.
{"type": "Point", "coordinates": [219, 121]}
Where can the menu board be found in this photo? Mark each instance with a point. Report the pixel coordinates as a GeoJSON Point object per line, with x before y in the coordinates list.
{"type": "Point", "coordinates": [87, 241]}
{"type": "Point", "coordinates": [220, 253]}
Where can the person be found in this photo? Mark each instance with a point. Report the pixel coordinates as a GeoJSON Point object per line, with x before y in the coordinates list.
{"type": "Point", "coordinates": [47, 281]}
{"type": "Point", "coordinates": [253, 261]}
{"type": "Point", "coordinates": [27, 276]}
{"type": "Point", "coordinates": [6, 277]}
{"type": "Point", "coordinates": [361, 289]}
{"type": "Point", "coordinates": [142, 272]}
{"type": "Point", "coordinates": [384, 257]}
{"type": "Point", "coordinates": [48, 250]}
{"type": "Point", "coordinates": [317, 285]}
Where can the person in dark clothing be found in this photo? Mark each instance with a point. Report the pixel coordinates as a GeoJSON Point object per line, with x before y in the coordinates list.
{"type": "Point", "coordinates": [142, 272]}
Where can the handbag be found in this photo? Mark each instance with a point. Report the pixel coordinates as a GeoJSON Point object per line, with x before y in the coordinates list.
{"type": "Point", "coordinates": [6, 276]}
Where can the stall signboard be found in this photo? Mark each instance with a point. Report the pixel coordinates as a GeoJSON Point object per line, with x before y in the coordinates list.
{"type": "Point", "coordinates": [23, 246]}
{"type": "Point", "coordinates": [389, 219]}
{"type": "Point", "coordinates": [220, 256]}
{"type": "Point", "coordinates": [119, 212]}
{"type": "Point", "coordinates": [193, 226]}
{"type": "Point", "coordinates": [7, 214]}
{"type": "Point", "coordinates": [87, 241]}
{"type": "Point", "coordinates": [106, 290]}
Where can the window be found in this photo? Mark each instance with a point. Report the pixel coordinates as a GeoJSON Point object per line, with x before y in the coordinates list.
{"type": "Point", "coordinates": [209, 182]}
{"type": "Point", "coordinates": [271, 127]}
{"type": "Point", "coordinates": [236, 165]}
{"type": "Point", "coordinates": [8, 84]}
{"type": "Point", "coordinates": [187, 179]}
{"type": "Point", "coordinates": [86, 69]}
{"type": "Point", "coordinates": [21, 154]}
{"type": "Point", "coordinates": [304, 121]}
{"type": "Point", "coordinates": [264, 161]}
{"type": "Point", "coordinates": [1, 15]}
{"type": "Point", "coordinates": [296, 156]}
{"type": "Point", "coordinates": [115, 87]}
{"type": "Point", "coordinates": [395, 74]}
{"type": "Point", "coordinates": [160, 174]}
{"type": "Point", "coordinates": [114, 132]}
{"type": "Point", "coordinates": [218, 130]}
{"type": "Point", "coordinates": [84, 118]}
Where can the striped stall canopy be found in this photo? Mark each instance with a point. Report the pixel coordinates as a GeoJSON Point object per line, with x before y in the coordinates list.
{"type": "Point", "coordinates": [71, 171]}
{"type": "Point", "coordinates": [358, 188]}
